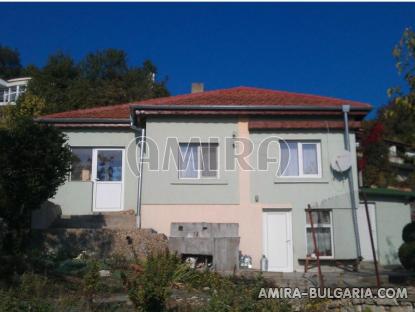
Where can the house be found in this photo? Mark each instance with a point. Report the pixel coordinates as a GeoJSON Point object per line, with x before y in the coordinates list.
{"type": "Point", "coordinates": [402, 160]}
{"type": "Point", "coordinates": [242, 155]}
{"type": "Point", "coordinates": [389, 211]}
{"type": "Point", "coordinates": [11, 89]}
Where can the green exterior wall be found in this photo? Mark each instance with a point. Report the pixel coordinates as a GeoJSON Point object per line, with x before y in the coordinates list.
{"type": "Point", "coordinates": [391, 216]}
{"type": "Point", "coordinates": [330, 191]}
{"type": "Point", "coordinates": [75, 197]}
{"type": "Point", "coordinates": [164, 187]}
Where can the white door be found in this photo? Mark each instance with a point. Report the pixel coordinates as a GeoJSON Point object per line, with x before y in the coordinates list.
{"type": "Point", "coordinates": [365, 245]}
{"type": "Point", "coordinates": [277, 240]}
{"type": "Point", "coordinates": [108, 177]}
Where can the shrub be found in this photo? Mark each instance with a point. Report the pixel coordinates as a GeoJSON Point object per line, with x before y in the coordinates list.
{"type": "Point", "coordinates": [73, 267]}
{"type": "Point", "coordinates": [11, 301]}
{"type": "Point", "coordinates": [408, 232]}
{"type": "Point", "coordinates": [33, 286]}
{"type": "Point", "coordinates": [150, 288]}
{"type": "Point", "coordinates": [30, 295]}
{"type": "Point", "coordinates": [241, 294]}
{"type": "Point", "coordinates": [91, 279]}
{"type": "Point", "coordinates": [407, 255]}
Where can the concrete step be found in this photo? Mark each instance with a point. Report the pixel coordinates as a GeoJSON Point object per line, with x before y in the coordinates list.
{"type": "Point", "coordinates": [113, 220]}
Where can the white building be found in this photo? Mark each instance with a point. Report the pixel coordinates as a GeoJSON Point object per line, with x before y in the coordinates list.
{"type": "Point", "coordinates": [11, 89]}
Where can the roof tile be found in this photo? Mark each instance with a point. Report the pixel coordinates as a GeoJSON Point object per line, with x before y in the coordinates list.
{"type": "Point", "coordinates": [233, 96]}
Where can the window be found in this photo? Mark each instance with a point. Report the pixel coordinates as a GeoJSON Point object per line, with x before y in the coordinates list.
{"type": "Point", "coordinates": [109, 165]}
{"type": "Point", "coordinates": [324, 233]}
{"type": "Point", "coordinates": [198, 160]}
{"type": "Point", "coordinates": [81, 165]}
{"type": "Point", "coordinates": [300, 159]}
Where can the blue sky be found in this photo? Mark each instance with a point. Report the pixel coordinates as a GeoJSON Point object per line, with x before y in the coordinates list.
{"type": "Point", "coordinates": [334, 49]}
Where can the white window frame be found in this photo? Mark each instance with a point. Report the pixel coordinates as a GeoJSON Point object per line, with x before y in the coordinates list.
{"type": "Point", "coordinates": [308, 226]}
{"type": "Point", "coordinates": [199, 159]}
{"type": "Point", "coordinates": [70, 167]}
{"type": "Point", "coordinates": [301, 174]}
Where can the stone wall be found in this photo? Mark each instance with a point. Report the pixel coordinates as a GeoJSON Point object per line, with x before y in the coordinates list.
{"type": "Point", "coordinates": [99, 243]}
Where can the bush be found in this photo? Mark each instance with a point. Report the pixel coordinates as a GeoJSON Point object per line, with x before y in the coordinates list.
{"type": "Point", "coordinates": [408, 232]}
{"type": "Point", "coordinates": [241, 294]}
{"type": "Point", "coordinates": [11, 302]}
{"type": "Point", "coordinates": [28, 296]}
{"type": "Point", "coordinates": [151, 286]}
{"type": "Point", "coordinates": [407, 255]}
{"type": "Point", "coordinates": [28, 180]}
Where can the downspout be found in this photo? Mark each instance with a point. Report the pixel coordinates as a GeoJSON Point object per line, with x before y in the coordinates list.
{"type": "Point", "coordinates": [346, 110]}
{"type": "Point", "coordinates": [140, 166]}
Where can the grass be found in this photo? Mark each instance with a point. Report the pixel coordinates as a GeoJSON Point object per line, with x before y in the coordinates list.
{"type": "Point", "coordinates": [161, 282]}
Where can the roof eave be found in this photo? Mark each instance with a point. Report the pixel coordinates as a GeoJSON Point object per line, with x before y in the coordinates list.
{"type": "Point", "coordinates": [85, 120]}
{"type": "Point", "coordinates": [247, 107]}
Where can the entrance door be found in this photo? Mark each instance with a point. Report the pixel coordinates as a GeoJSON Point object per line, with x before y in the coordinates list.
{"type": "Point", "coordinates": [108, 177]}
{"type": "Point", "coordinates": [364, 231]}
{"type": "Point", "coordinates": [277, 240]}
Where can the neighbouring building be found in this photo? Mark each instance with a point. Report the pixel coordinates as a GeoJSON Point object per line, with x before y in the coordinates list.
{"type": "Point", "coordinates": [243, 155]}
{"type": "Point", "coordinates": [11, 89]}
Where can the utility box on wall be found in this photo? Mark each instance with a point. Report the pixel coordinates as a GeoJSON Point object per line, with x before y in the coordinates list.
{"type": "Point", "coordinates": [215, 242]}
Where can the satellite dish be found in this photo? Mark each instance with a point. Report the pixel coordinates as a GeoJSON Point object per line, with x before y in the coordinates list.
{"type": "Point", "coordinates": [342, 161]}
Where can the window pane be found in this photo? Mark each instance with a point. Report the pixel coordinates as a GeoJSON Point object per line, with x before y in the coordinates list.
{"type": "Point", "coordinates": [81, 164]}
{"type": "Point", "coordinates": [188, 160]}
{"type": "Point", "coordinates": [310, 165]}
{"type": "Point", "coordinates": [289, 159]}
{"type": "Point", "coordinates": [323, 237]}
{"type": "Point", "coordinates": [209, 160]}
{"type": "Point", "coordinates": [319, 217]}
{"type": "Point", "coordinates": [109, 165]}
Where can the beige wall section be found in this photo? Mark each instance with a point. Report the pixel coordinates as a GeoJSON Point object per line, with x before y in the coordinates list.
{"type": "Point", "coordinates": [248, 215]}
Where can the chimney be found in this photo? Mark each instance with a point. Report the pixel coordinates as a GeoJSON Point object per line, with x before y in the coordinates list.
{"type": "Point", "coordinates": [197, 87]}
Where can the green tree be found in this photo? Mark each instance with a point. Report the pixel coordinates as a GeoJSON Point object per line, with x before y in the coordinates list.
{"type": "Point", "coordinates": [10, 66]}
{"type": "Point", "coordinates": [395, 121]}
{"type": "Point", "coordinates": [101, 78]}
{"type": "Point", "coordinates": [28, 106]}
{"type": "Point", "coordinates": [54, 81]}
{"type": "Point", "coordinates": [399, 116]}
{"type": "Point", "coordinates": [34, 161]}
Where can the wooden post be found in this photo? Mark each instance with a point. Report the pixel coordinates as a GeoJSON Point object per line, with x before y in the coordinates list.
{"type": "Point", "coordinates": [313, 233]}
{"type": "Point", "coordinates": [375, 261]}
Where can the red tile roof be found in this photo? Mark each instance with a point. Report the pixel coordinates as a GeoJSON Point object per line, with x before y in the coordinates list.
{"type": "Point", "coordinates": [233, 96]}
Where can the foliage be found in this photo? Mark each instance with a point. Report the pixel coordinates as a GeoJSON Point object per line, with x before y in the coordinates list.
{"type": "Point", "coordinates": [28, 106]}
{"type": "Point", "coordinates": [73, 267]}
{"type": "Point", "coordinates": [101, 78]}
{"type": "Point", "coordinates": [407, 249]}
{"type": "Point", "coordinates": [399, 116]}
{"type": "Point", "coordinates": [408, 233]}
{"type": "Point", "coordinates": [10, 66]}
{"type": "Point", "coordinates": [241, 294]}
{"type": "Point", "coordinates": [10, 301]}
{"type": "Point", "coordinates": [91, 282]}
{"type": "Point", "coordinates": [30, 179]}
{"type": "Point", "coordinates": [395, 121]}
{"type": "Point", "coordinates": [150, 288]}
{"type": "Point", "coordinates": [407, 255]}
{"type": "Point", "coordinates": [375, 164]}
{"type": "Point", "coordinates": [28, 296]}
